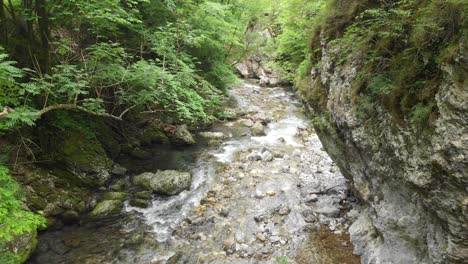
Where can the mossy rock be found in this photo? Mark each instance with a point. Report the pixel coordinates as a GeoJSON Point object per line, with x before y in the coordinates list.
{"type": "Point", "coordinates": [106, 208]}
{"type": "Point", "coordinates": [153, 135]}
{"type": "Point", "coordinates": [19, 249]}
{"type": "Point", "coordinates": [119, 196]}
{"type": "Point", "coordinates": [84, 156]}
{"type": "Point", "coordinates": [167, 182]}
{"type": "Point", "coordinates": [140, 203]}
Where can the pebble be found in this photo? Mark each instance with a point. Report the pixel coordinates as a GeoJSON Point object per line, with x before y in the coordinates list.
{"type": "Point", "coordinates": [224, 212]}
{"type": "Point", "coordinates": [311, 198]}
{"type": "Point", "coordinates": [254, 157]}
{"type": "Point", "coordinates": [259, 195]}
{"type": "Point", "coordinates": [261, 237]}
{"type": "Point", "coordinates": [284, 210]}
{"type": "Point", "coordinates": [228, 243]}
{"type": "Point", "coordinates": [270, 193]}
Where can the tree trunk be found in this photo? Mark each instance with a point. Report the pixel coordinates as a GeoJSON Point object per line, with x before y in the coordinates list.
{"type": "Point", "coordinates": [3, 25]}
{"type": "Point", "coordinates": [44, 34]}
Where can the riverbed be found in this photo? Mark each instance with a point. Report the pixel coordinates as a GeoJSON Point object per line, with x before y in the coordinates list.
{"type": "Point", "coordinates": [260, 194]}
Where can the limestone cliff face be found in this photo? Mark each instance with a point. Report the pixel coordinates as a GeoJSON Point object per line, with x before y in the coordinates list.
{"type": "Point", "coordinates": [414, 186]}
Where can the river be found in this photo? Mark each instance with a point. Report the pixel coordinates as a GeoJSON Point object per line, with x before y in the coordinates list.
{"type": "Point", "coordinates": [255, 198]}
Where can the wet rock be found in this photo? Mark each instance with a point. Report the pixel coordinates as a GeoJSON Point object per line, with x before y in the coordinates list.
{"type": "Point", "coordinates": [246, 122]}
{"type": "Point", "coordinates": [118, 170]}
{"type": "Point", "coordinates": [120, 196]}
{"type": "Point", "coordinates": [275, 239]}
{"type": "Point", "coordinates": [119, 185]}
{"type": "Point", "coordinates": [175, 259]}
{"type": "Point", "coordinates": [213, 135]}
{"type": "Point", "coordinates": [107, 208]}
{"type": "Point", "coordinates": [167, 182]}
{"type": "Point", "coordinates": [261, 237]}
{"type": "Point", "coordinates": [309, 216]}
{"type": "Point", "coordinates": [329, 211]}
{"type": "Point", "coordinates": [312, 198]}
{"type": "Point", "coordinates": [254, 157]}
{"type": "Point", "coordinates": [181, 136]}
{"type": "Point", "coordinates": [145, 195]}
{"type": "Point", "coordinates": [267, 156]}
{"type": "Point", "coordinates": [296, 153]}
{"type": "Point", "coordinates": [284, 210]}
{"type": "Point", "coordinates": [153, 134]}
{"type": "Point", "coordinates": [259, 195]}
{"type": "Point", "coordinates": [224, 212]}
{"type": "Point", "coordinates": [214, 143]}
{"type": "Point", "coordinates": [228, 243]}
{"type": "Point", "coordinates": [140, 203]}
{"type": "Point", "coordinates": [258, 129]}
{"type": "Point", "coordinates": [260, 218]}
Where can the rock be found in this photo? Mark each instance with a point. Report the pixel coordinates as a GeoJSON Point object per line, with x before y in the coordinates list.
{"type": "Point", "coordinates": [296, 153]}
{"type": "Point", "coordinates": [261, 237]}
{"type": "Point", "coordinates": [275, 239]}
{"type": "Point", "coordinates": [120, 184]}
{"type": "Point", "coordinates": [258, 129]}
{"type": "Point", "coordinates": [215, 143]}
{"type": "Point", "coordinates": [175, 258]}
{"type": "Point", "coordinates": [145, 195]}
{"type": "Point", "coordinates": [246, 122]}
{"type": "Point", "coordinates": [224, 212]}
{"type": "Point", "coordinates": [107, 208]}
{"type": "Point", "coordinates": [118, 170]}
{"type": "Point", "coordinates": [213, 135]}
{"type": "Point", "coordinates": [140, 154]}
{"type": "Point", "coordinates": [119, 196]}
{"type": "Point", "coordinates": [309, 216]}
{"type": "Point", "coordinates": [270, 193]}
{"type": "Point", "coordinates": [259, 194]}
{"type": "Point", "coordinates": [140, 203]}
{"type": "Point", "coordinates": [260, 218]}
{"type": "Point", "coordinates": [153, 134]}
{"type": "Point", "coordinates": [284, 210]}
{"type": "Point", "coordinates": [81, 155]}
{"type": "Point", "coordinates": [254, 157]}
{"type": "Point", "coordinates": [312, 198]}
{"type": "Point", "coordinates": [21, 247]}
{"type": "Point", "coordinates": [267, 156]}
{"type": "Point", "coordinates": [182, 136]}
{"type": "Point", "coordinates": [329, 211]}
{"type": "Point", "coordinates": [228, 243]}
{"type": "Point", "coordinates": [167, 182]}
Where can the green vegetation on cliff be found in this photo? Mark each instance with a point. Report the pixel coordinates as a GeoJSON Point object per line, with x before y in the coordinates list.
{"type": "Point", "coordinates": [398, 48]}
{"type": "Point", "coordinates": [14, 220]}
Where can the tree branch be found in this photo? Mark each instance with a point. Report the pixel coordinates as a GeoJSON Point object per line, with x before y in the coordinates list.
{"type": "Point", "coordinates": [77, 107]}
{"type": "Point", "coordinates": [6, 111]}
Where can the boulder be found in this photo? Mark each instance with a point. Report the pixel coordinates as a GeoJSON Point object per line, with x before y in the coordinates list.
{"type": "Point", "coordinates": [119, 196]}
{"type": "Point", "coordinates": [140, 203]}
{"type": "Point", "coordinates": [153, 135]}
{"type": "Point", "coordinates": [107, 208]}
{"type": "Point", "coordinates": [258, 129]}
{"type": "Point", "coordinates": [83, 156]}
{"type": "Point", "coordinates": [213, 135]}
{"type": "Point", "coordinates": [169, 182]}
{"type": "Point", "coordinates": [181, 136]}
{"type": "Point", "coordinates": [119, 170]}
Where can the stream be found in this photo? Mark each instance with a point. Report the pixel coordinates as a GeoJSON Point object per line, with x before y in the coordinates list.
{"type": "Point", "coordinates": [255, 198]}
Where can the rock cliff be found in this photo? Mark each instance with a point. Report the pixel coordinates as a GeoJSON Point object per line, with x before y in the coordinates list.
{"type": "Point", "coordinates": [414, 184]}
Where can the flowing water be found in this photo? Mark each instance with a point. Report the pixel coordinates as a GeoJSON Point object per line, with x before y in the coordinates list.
{"type": "Point", "coordinates": [254, 199]}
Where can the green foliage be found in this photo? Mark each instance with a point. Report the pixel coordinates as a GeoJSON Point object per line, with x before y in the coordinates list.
{"type": "Point", "coordinates": [297, 20]}
{"type": "Point", "coordinates": [420, 115]}
{"type": "Point", "coordinates": [14, 220]}
{"type": "Point", "coordinates": [400, 46]}
{"type": "Point", "coordinates": [281, 260]}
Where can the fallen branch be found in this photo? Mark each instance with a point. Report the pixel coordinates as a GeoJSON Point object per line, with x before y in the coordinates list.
{"type": "Point", "coordinates": [77, 107]}
{"type": "Point", "coordinates": [39, 114]}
